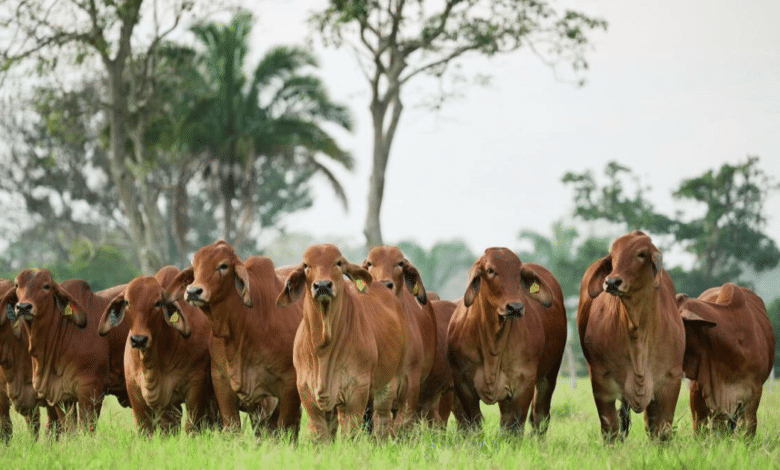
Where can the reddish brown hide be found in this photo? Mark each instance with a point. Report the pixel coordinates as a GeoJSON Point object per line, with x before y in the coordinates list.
{"type": "Point", "coordinates": [16, 368]}
{"type": "Point", "coordinates": [167, 360]}
{"type": "Point", "coordinates": [388, 265]}
{"type": "Point", "coordinates": [632, 336]}
{"type": "Point", "coordinates": [350, 346]}
{"type": "Point", "coordinates": [506, 341]}
{"type": "Point", "coordinates": [253, 361]}
{"type": "Point", "coordinates": [729, 353]}
{"type": "Point", "coordinates": [71, 364]}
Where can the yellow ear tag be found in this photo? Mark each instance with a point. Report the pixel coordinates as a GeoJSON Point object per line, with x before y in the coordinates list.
{"type": "Point", "coordinates": [361, 285]}
{"type": "Point", "coordinates": [534, 288]}
{"type": "Point", "coordinates": [415, 290]}
{"type": "Point", "coordinates": [174, 317]}
{"type": "Point", "coordinates": [68, 311]}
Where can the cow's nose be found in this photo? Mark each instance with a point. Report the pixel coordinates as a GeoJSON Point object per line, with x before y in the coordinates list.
{"type": "Point", "coordinates": [193, 293]}
{"type": "Point", "coordinates": [612, 284]}
{"type": "Point", "coordinates": [388, 284]}
{"type": "Point", "coordinates": [322, 288]}
{"type": "Point", "coordinates": [139, 341]}
{"type": "Point", "coordinates": [23, 308]}
{"type": "Point", "coordinates": [513, 310]}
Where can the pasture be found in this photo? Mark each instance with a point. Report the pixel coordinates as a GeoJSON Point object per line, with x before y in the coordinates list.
{"type": "Point", "coordinates": [573, 441]}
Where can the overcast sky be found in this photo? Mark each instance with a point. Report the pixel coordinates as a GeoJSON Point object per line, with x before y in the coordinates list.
{"type": "Point", "coordinates": [674, 88]}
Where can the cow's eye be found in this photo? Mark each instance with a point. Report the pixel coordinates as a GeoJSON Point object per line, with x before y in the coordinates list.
{"type": "Point", "coordinates": [642, 256]}
{"type": "Point", "coordinates": [490, 272]}
{"type": "Point", "coordinates": [339, 263]}
{"type": "Point", "coordinates": [223, 267]}
{"type": "Point", "coordinates": [401, 263]}
{"type": "Point", "coordinates": [305, 266]}
{"type": "Point", "coordinates": [46, 287]}
{"type": "Point", "coordinates": [158, 304]}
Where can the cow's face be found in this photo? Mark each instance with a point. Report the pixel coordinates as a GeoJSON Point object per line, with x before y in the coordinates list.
{"type": "Point", "coordinates": [35, 295]}
{"type": "Point", "coordinates": [144, 306]}
{"type": "Point", "coordinates": [216, 271]}
{"type": "Point", "coordinates": [389, 266]}
{"type": "Point", "coordinates": [321, 273]}
{"type": "Point", "coordinates": [633, 264]}
{"type": "Point", "coordinates": [504, 285]}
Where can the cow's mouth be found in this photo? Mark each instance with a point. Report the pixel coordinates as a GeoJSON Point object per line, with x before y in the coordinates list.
{"type": "Point", "coordinates": [196, 302]}
{"type": "Point", "coordinates": [613, 290]}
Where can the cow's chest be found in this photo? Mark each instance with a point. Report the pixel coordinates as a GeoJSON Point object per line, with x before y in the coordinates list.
{"type": "Point", "coordinates": [330, 383]}
{"type": "Point", "coordinates": [160, 390]}
{"type": "Point", "coordinates": [503, 376]}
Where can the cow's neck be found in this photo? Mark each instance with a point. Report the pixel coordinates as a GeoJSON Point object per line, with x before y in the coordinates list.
{"type": "Point", "coordinates": [640, 317]}
{"type": "Point", "coordinates": [328, 323]}
{"type": "Point", "coordinates": [47, 340]}
{"type": "Point", "coordinates": [493, 333]}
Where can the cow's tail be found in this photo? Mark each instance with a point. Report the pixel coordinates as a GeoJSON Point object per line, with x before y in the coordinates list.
{"type": "Point", "coordinates": [625, 418]}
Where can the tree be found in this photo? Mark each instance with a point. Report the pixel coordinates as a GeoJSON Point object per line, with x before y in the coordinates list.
{"type": "Point", "coordinates": [397, 40]}
{"type": "Point", "coordinates": [611, 202]}
{"type": "Point", "coordinates": [440, 264]}
{"type": "Point", "coordinates": [773, 312]}
{"type": "Point", "coordinates": [271, 121]}
{"type": "Point", "coordinates": [725, 240]}
{"type": "Point", "coordinates": [53, 32]}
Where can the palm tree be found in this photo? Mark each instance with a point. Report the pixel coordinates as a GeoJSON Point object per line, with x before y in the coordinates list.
{"type": "Point", "coordinates": [267, 121]}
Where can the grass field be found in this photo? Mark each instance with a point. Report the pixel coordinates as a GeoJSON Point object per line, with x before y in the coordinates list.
{"type": "Point", "coordinates": [573, 441]}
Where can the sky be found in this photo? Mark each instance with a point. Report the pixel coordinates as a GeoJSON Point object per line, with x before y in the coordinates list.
{"type": "Point", "coordinates": [674, 89]}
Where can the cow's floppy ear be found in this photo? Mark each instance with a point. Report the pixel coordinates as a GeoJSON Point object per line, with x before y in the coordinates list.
{"type": "Point", "coordinates": [293, 287]}
{"type": "Point", "coordinates": [679, 298]}
{"type": "Point", "coordinates": [113, 315]}
{"type": "Point", "coordinates": [359, 276]}
{"type": "Point", "coordinates": [475, 279]}
{"type": "Point", "coordinates": [536, 287]}
{"type": "Point", "coordinates": [692, 319]}
{"type": "Point", "coordinates": [8, 306]}
{"type": "Point", "coordinates": [658, 266]}
{"type": "Point", "coordinates": [242, 283]}
{"type": "Point", "coordinates": [175, 290]}
{"type": "Point", "coordinates": [414, 282]}
{"type": "Point", "coordinates": [68, 306]}
{"type": "Point", "coordinates": [175, 317]}
{"type": "Point", "coordinates": [596, 282]}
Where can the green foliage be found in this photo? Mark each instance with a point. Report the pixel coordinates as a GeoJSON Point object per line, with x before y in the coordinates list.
{"type": "Point", "coordinates": [725, 240]}
{"type": "Point", "coordinates": [241, 122]}
{"type": "Point", "coordinates": [439, 264]}
{"type": "Point", "coordinates": [102, 266]}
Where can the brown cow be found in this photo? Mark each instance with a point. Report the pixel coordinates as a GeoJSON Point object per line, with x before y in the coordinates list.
{"type": "Point", "coordinates": [349, 348]}
{"type": "Point", "coordinates": [632, 336]}
{"type": "Point", "coordinates": [16, 369]}
{"type": "Point", "coordinates": [256, 336]}
{"type": "Point", "coordinates": [729, 353]}
{"type": "Point", "coordinates": [167, 360]}
{"type": "Point", "coordinates": [388, 265]}
{"type": "Point", "coordinates": [71, 364]}
{"type": "Point", "coordinates": [506, 340]}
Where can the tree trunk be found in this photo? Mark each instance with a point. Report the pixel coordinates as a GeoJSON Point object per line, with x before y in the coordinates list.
{"type": "Point", "coordinates": [383, 140]}
{"type": "Point", "coordinates": [154, 235]}
{"type": "Point", "coordinates": [120, 176]}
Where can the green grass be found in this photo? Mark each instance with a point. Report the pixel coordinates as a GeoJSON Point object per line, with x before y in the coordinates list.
{"type": "Point", "coordinates": [573, 441]}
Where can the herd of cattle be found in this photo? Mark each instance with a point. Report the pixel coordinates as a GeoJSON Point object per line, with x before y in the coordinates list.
{"type": "Point", "coordinates": [365, 346]}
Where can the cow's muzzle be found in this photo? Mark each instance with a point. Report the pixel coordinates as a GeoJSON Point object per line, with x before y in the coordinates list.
{"type": "Point", "coordinates": [24, 310]}
{"type": "Point", "coordinates": [322, 290]}
{"type": "Point", "coordinates": [513, 310]}
{"type": "Point", "coordinates": [612, 285]}
{"type": "Point", "coordinates": [192, 295]}
{"type": "Point", "coordinates": [139, 342]}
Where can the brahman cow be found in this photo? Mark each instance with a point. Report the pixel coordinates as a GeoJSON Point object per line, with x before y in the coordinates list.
{"type": "Point", "coordinates": [256, 336]}
{"type": "Point", "coordinates": [16, 370]}
{"type": "Point", "coordinates": [729, 353]}
{"type": "Point", "coordinates": [72, 366]}
{"type": "Point", "coordinates": [632, 336]}
{"type": "Point", "coordinates": [350, 347]}
{"type": "Point", "coordinates": [506, 341]}
{"type": "Point", "coordinates": [167, 360]}
{"type": "Point", "coordinates": [425, 334]}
